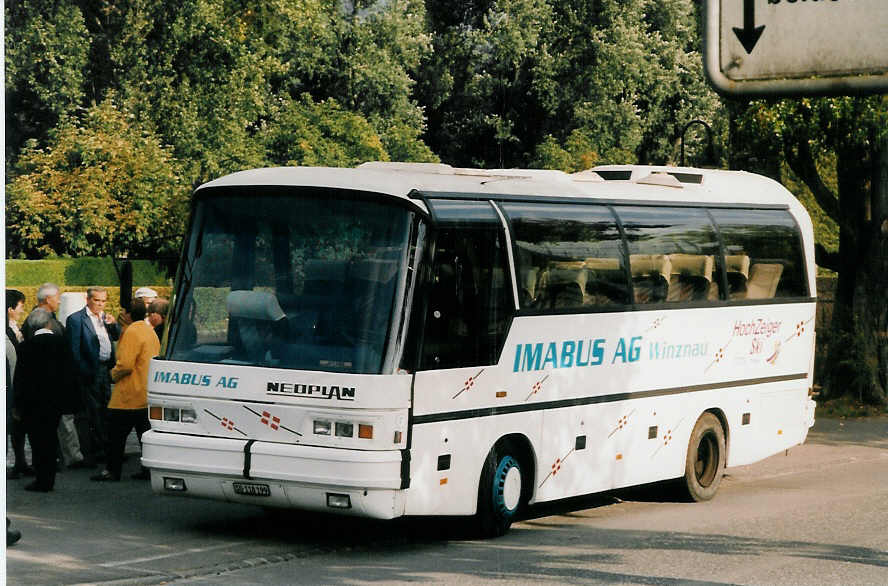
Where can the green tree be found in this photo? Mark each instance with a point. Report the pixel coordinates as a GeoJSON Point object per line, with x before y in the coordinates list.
{"type": "Point", "coordinates": [208, 86]}
{"type": "Point", "coordinates": [554, 82]}
{"type": "Point", "coordinates": [212, 76]}
{"type": "Point", "coordinates": [845, 139]}
{"type": "Point", "coordinates": [321, 134]}
{"type": "Point", "coordinates": [487, 82]}
{"type": "Point", "coordinates": [101, 185]}
{"type": "Point", "coordinates": [47, 51]}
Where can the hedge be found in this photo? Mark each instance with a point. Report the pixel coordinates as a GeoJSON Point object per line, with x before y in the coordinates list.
{"type": "Point", "coordinates": [80, 272]}
{"type": "Point", "coordinates": [112, 307]}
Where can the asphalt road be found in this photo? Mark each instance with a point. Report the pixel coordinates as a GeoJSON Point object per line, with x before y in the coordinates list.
{"type": "Point", "coordinates": [818, 515]}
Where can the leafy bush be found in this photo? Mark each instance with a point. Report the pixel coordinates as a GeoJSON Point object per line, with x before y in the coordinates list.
{"type": "Point", "coordinates": [80, 272]}
{"type": "Point", "coordinates": [25, 273]}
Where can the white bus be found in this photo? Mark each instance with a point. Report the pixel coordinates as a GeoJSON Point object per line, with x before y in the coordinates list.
{"type": "Point", "coordinates": [409, 339]}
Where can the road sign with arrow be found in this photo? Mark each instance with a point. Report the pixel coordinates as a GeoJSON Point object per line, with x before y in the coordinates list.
{"type": "Point", "coordinates": [796, 47]}
{"type": "Point", "coordinates": [749, 34]}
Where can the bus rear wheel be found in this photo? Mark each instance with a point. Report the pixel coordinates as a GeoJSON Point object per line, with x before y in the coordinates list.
{"type": "Point", "coordinates": [501, 493]}
{"type": "Point", "coordinates": [705, 464]}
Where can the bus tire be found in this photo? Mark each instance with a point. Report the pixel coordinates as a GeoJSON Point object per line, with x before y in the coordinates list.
{"type": "Point", "coordinates": [705, 463]}
{"type": "Point", "coordinates": [501, 493]}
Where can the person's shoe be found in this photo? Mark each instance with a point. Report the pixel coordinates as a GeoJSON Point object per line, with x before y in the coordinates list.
{"type": "Point", "coordinates": [13, 474]}
{"type": "Point", "coordinates": [34, 487]}
{"type": "Point", "coordinates": [104, 476]}
{"type": "Point", "coordinates": [81, 464]}
{"type": "Point", "coordinates": [12, 536]}
{"type": "Point", "coordinates": [25, 470]}
{"type": "Point", "coordinates": [143, 475]}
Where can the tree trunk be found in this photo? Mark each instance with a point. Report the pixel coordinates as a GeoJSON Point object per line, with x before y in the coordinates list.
{"type": "Point", "coordinates": [871, 299]}
{"type": "Point", "coordinates": [858, 351]}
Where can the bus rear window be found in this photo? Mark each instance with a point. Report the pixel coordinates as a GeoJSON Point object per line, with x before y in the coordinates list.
{"type": "Point", "coordinates": [763, 254]}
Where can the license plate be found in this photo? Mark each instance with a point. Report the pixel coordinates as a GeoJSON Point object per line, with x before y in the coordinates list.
{"type": "Point", "coordinates": [251, 489]}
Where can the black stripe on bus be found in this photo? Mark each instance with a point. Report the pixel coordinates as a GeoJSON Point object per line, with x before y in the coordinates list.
{"type": "Point", "coordinates": [510, 409]}
{"type": "Point", "coordinates": [405, 469]}
{"type": "Point", "coordinates": [248, 458]}
{"type": "Point", "coordinates": [424, 196]}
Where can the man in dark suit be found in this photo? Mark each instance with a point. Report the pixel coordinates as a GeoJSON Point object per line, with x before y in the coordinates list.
{"type": "Point", "coordinates": [41, 394]}
{"type": "Point", "coordinates": [90, 333]}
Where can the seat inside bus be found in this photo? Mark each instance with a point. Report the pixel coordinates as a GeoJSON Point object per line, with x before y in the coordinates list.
{"type": "Point", "coordinates": [339, 321]}
{"type": "Point", "coordinates": [253, 319]}
{"type": "Point", "coordinates": [346, 302]}
{"type": "Point", "coordinates": [528, 285]}
{"type": "Point", "coordinates": [690, 277]}
{"type": "Point", "coordinates": [763, 280]}
{"type": "Point", "coordinates": [650, 277]}
{"type": "Point", "coordinates": [605, 281]}
{"type": "Point", "coordinates": [737, 268]}
{"type": "Point", "coordinates": [566, 284]}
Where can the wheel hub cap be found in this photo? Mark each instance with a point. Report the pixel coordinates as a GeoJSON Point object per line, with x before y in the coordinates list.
{"type": "Point", "coordinates": [512, 488]}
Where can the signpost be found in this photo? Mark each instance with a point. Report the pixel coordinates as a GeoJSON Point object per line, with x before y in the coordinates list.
{"type": "Point", "coordinates": [796, 47]}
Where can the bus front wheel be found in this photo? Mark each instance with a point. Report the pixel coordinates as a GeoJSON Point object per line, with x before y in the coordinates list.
{"type": "Point", "coordinates": [705, 464]}
{"type": "Point", "coordinates": [500, 495]}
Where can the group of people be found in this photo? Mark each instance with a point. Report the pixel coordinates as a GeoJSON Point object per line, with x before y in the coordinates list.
{"type": "Point", "coordinates": [77, 390]}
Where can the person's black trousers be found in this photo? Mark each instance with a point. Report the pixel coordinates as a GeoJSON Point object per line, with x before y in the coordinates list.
{"type": "Point", "coordinates": [41, 427]}
{"type": "Point", "coordinates": [120, 423]}
{"type": "Point", "coordinates": [92, 422]}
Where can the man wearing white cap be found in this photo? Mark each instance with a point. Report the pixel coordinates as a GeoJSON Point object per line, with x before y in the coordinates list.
{"type": "Point", "coordinates": [146, 295]}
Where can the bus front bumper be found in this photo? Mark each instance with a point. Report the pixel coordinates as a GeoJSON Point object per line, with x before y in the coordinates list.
{"type": "Point", "coordinates": [351, 482]}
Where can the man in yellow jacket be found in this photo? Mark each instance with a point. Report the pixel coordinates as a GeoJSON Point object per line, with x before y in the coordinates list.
{"type": "Point", "coordinates": [128, 407]}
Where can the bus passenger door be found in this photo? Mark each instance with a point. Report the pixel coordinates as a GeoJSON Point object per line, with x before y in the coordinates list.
{"type": "Point", "coordinates": [468, 309]}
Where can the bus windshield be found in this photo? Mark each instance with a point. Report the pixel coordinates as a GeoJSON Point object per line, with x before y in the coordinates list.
{"type": "Point", "coordinates": [290, 279]}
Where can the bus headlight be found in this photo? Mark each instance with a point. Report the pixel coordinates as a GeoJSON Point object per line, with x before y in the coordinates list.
{"type": "Point", "coordinates": [342, 428]}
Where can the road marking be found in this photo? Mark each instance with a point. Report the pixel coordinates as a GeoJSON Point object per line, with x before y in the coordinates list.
{"type": "Point", "coordinates": [170, 555]}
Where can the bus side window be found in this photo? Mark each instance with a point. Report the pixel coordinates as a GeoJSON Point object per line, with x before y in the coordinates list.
{"type": "Point", "coordinates": [569, 257]}
{"type": "Point", "coordinates": [763, 253]}
{"type": "Point", "coordinates": [469, 303]}
{"type": "Point", "coordinates": [674, 254]}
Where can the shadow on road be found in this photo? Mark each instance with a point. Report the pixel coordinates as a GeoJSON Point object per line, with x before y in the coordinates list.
{"type": "Point", "coordinates": [88, 532]}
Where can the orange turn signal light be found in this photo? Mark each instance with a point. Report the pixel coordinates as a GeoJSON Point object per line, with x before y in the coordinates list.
{"type": "Point", "coordinates": [155, 412]}
{"type": "Point", "coordinates": [365, 431]}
